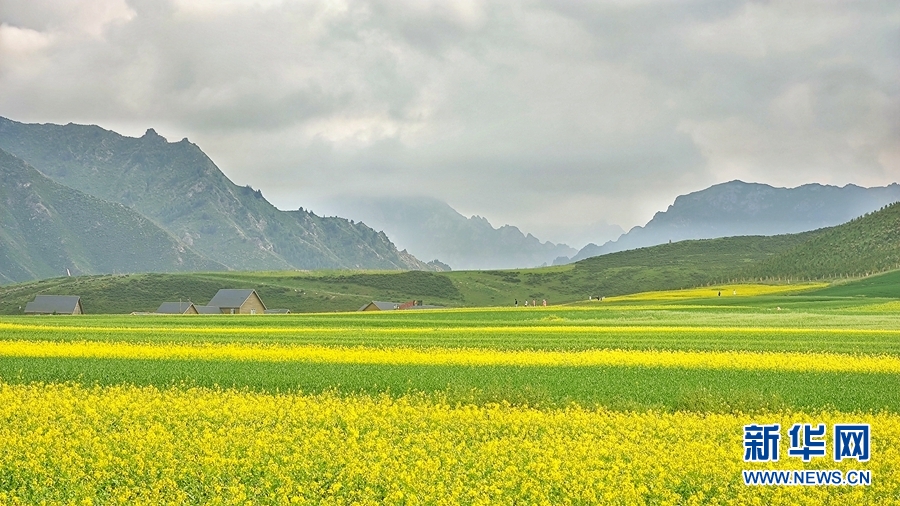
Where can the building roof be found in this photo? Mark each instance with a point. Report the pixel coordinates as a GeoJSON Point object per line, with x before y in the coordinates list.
{"type": "Point", "coordinates": [208, 309]}
{"type": "Point", "coordinates": [381, 305]}
{"type": "Point", "coordinates": [174, 307]}
{"type": "Point", "coordinates": [49, 304]}
{"type": "Point", "coordinates": [278, 311]}
{"type": "Point", "coordinates": [232, 298]}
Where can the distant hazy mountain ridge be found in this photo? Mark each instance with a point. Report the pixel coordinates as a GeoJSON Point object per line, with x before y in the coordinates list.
{"type": "Point", "coordinates": [737, 208]}
{"type": "Point", "coordinates": [179, 188]}
{"type": "Point", "coordinates": [429, 228]}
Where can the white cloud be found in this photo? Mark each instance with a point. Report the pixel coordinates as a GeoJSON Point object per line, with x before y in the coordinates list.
{"type": "Point", "coordinates": [21, 53]}
{"type": "Point", "coordinates": [795, 106]}
{"type": "Point", "coordinates": [89, 18]}
{"type": "Point", "coordinates": [22, 43]}
{"type": "Point", "coordinates": [760, 29]}
{"type": "Point", "coordinates": [527, 113]}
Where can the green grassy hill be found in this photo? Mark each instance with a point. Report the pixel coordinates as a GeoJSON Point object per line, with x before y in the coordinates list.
{"type": "Point", "coordinates": [666, 267]}
{"type": "Point", "coordinates": [863, 246]}
{"type": "Point", "coordinates": [881, 285]}
{"type": "Point", "coordinates": [297, 291]}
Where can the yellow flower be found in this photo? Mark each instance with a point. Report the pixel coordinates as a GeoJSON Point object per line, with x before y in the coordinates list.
{"type": "Point", "coordinates": [65, 443]}
{"type": "Point", "coordinates": [746, 360]}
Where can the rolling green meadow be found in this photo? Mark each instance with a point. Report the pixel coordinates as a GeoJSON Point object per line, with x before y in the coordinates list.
{"type": "Point", "coordinates": [592, 402]}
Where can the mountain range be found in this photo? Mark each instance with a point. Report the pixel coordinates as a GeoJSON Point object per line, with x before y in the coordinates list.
{"type": "Point", "coordinates": [178, 189]}
{"type": "Point", "coordinates": [737, 208]}
{"type": "Point", "coordinates": [81, 199]}
{"type": "Point", "coordinates": [430, 228]}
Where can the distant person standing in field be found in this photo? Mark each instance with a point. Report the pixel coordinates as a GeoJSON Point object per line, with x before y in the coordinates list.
{"type": "Point", "coordinates": [517, 302]}
{"type": "Point", "coordinates": [545, 302]}
{"type": "Point", "coordinates": [526, 302]}
{"type": "Point", "coordinates": [533, 303]}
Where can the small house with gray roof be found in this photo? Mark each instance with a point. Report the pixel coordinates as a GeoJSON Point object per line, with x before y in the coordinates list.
{"type": "Point", "coordinates": [177, 308]}
{"type": "Point", "coordinates": [55, 304]}
{"type": "Point", "coordinates": [377, 305]}
{"type": "Point", "coordinates": [238, 301]}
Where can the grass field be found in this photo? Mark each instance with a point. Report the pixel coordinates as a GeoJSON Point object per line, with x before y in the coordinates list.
{"type": "Point", "coordinates": [641, 399]}
{"type": "Point", "coordinates": [884, 285]}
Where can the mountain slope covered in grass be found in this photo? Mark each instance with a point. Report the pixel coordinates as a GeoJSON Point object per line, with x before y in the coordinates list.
{"type": "Point", "coordinates": [665, 267]}
{"type": "Point", "coordinates": [47, 228]}
{"type": "Point", "coordinates": [862, 246]}
{"type": "Point", "coordinates": [880, 285]}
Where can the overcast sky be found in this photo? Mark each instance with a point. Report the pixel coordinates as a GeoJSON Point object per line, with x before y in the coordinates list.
{"type": "Point", "coordinates": [548, 115]}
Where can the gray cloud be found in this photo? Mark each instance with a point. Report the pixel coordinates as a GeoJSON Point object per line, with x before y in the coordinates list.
{"type": "Point", "coordinates": [547, 115]}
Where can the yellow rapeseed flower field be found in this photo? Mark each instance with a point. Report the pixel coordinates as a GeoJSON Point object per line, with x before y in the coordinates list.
{"type": "Point", "coordinates": [885, 307]}
{"type": "Point", "coordinates": [71, 444]}
{"type": "Point", "coordinates": [747, 360]}
{"type": "Point", "coordinates": [176, 443]}
{"type": "Point", "coordinates": [548, 325]}
{"type": "Point", "coordinates": [727, 290]}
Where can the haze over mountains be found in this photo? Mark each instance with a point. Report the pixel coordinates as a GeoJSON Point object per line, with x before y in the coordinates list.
{"type": "Point", "coordinates": [180, 190]}
{"type": "Point", "coordinates": [430, 228]}
{"type": "Point", "coordinates": [737, 208]}
{"type": "Point", "coordinates": [85, 200]}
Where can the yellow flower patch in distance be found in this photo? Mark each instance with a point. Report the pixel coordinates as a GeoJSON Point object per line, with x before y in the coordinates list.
{"type": "Point", "coordinates": [743, 290]}
{"type": "Point", "coordinates": [551, 324]}
{"type": "Point", "coordinates": [742, 360]}
{"type": "Point", "coordinates": [70, 444]}
{"type": "Point", "coordinates": [885, 307]}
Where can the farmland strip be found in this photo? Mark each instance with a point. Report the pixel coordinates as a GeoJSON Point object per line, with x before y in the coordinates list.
{"type": "Point", "coordinates": [745, 360]}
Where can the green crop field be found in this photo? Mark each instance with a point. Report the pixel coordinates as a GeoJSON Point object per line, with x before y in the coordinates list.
{"type": "Point", "coordinates": [501, 405]}
{"type": "Point", "coordinates": [766, 325]}
{"type": "Point", "coordinates": [882, 285]}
